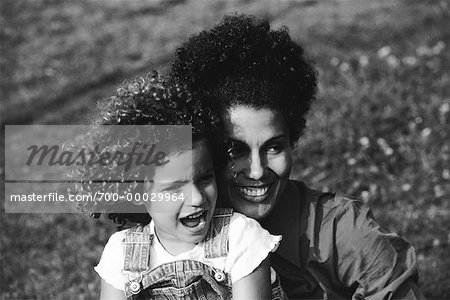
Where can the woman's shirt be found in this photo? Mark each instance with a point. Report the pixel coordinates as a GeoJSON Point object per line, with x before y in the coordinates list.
{"type": "Point", "coordinates": [332, 248]}
{"type": "Point", "coordinates": [248, 245]}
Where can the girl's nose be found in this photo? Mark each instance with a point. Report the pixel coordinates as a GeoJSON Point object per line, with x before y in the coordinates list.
{"type": "Point", "coordinates": [197, 198]}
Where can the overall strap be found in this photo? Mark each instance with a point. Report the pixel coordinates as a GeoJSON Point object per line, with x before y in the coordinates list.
{"type": "Point", "coordinates": [216, 241]}
{"type": "Point", "coordinates": [137, 243]}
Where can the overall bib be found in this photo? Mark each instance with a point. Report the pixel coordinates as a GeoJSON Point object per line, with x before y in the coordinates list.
{"type": "Point", "coordinates": [183, 279]}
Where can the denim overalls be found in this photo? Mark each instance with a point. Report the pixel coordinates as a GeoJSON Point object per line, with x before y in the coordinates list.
{"type": "Point", "coordinates": [184, 279]}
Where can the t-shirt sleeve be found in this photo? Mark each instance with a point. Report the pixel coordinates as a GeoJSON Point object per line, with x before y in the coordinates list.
{"type": "Point", "coordinates": [381, 263]}
{"type": "Point", "coordinates": [249, 244]}
{"type": "Point", "coordinates": [112, 262]}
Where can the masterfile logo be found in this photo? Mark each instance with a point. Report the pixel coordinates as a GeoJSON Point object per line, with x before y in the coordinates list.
{"type": "Point", "coordinates": [104, 162]}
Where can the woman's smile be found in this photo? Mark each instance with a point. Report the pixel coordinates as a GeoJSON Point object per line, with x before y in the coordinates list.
{"type": "Point", "coordinates": [254, 192]}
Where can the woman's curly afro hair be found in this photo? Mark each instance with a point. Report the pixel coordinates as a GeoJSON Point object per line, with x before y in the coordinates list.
{"type": "Point", "coordinates": [149, 100]}
{"type": "Point", "coordinates": [241, 61]}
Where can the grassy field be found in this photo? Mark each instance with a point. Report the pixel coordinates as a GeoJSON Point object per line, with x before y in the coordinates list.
{"type": "Point", "coordinates": [379, 130]}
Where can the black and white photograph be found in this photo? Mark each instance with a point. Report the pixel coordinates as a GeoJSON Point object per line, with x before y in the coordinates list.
{"type": "Point", "coordinates": [225, 149]}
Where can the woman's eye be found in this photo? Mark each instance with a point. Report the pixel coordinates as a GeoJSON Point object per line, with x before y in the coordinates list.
{"type": "Point", "coordinates": [236, 151]}
{"type": "Point", "coordinates": [274, 149]}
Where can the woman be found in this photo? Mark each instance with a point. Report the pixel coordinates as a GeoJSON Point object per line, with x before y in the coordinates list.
{"type": "Point", "coordinates": [262, 88]}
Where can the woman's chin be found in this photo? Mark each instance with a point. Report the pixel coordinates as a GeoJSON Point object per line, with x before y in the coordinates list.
{"type": "Point", "coordinates": [256, 207]}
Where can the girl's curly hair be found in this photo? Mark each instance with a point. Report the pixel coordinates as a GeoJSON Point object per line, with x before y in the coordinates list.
{"type": "Point", "coordinates": [241, 61]}
{"type": "Point", "coordinates": [149, 100]}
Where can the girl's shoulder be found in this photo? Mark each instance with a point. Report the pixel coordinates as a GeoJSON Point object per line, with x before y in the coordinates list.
{"type": "Point", "coordinates": [118, 236]}
{"type": "Point", "coordinates": [111, 262]}
{"type": "Point", "coordinates": [241, 222]}
{"type": "Point", "coordinates": [113, 247]}
{"type": "Point", "coordinates": [243, 228]}
{"type": "Point", "coordinates": [248, 245]}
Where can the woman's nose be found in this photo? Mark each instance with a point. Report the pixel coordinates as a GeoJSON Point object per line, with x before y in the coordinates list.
{"type": "Point", "coordinates": [257, 167]}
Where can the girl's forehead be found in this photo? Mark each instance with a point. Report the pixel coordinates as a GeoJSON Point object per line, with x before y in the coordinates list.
{"type": "Point", "coordinates": [185, 164]}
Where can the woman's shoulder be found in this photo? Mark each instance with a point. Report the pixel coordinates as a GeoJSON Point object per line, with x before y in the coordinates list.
{"type": "Point", "coordinates": [326, 202]}
{"type": "Point", "coordinates": [321, 211]}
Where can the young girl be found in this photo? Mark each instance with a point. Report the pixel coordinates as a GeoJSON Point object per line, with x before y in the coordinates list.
{"type": "Point", "coordinates": [182, 249]}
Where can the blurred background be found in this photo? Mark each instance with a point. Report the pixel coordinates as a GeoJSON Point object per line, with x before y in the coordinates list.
{"type": "Point", "coordinates": [379, 130]}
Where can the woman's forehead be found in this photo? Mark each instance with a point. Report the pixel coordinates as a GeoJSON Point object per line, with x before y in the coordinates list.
{"type": "Point", "coordinates": [246, 123]}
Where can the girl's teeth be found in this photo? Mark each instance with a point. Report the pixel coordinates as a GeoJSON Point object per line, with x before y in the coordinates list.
{"type": "Point", "coordinates": [194, 220]}
{"type": "Point", "coordinates": [195, 215]}
{"type": "Point", "coordinates": [254, 192]}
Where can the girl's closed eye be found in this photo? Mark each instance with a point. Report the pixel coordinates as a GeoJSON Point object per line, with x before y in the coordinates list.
{"type": "Point", "coordinates": [206, 178]}
{"type": "Point", "coordinates": [173, 187]}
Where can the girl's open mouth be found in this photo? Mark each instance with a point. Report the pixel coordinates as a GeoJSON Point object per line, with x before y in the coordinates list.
{"type": "Point", "coordinates": [195, 219]}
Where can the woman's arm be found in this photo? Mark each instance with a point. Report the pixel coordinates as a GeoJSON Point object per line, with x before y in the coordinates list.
{"type": "Point", "coordinates": [256, 285]}
{"type": "Point", "coordinates": [382, 263]}
{"type": "Point", "coordinates": [109, 292]}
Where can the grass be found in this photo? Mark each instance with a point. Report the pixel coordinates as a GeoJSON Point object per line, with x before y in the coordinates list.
{"type": "Point", "coordinates": [379, 129]}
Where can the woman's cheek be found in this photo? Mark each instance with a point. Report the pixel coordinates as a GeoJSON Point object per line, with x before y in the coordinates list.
{"type": "Point", "coordinates": [281, 164]}
{"type": "Point", "coordinates": [234, 167]}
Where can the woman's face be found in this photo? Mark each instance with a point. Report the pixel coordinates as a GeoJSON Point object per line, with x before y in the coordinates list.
{"type": "Point", "coordinates": [262, 159]}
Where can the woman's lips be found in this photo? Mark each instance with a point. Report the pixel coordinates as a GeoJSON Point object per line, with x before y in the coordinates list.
{"type": "Point", "coordinates": [254, 191]}
{"type": "Point", "coordinates": [254, 194]}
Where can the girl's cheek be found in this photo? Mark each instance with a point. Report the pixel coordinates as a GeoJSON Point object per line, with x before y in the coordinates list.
{"type": "Point", "coordinates": [212, 192]}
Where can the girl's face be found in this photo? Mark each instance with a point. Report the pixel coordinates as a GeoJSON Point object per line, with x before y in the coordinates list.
{"type": "Point", "coordinates": [189, 173]}
{"type": "Point", "coordinates": [262, 159]}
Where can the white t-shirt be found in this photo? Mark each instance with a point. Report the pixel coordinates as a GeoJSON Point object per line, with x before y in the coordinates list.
{"type": "Point", "coordinates": [248, 245]}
